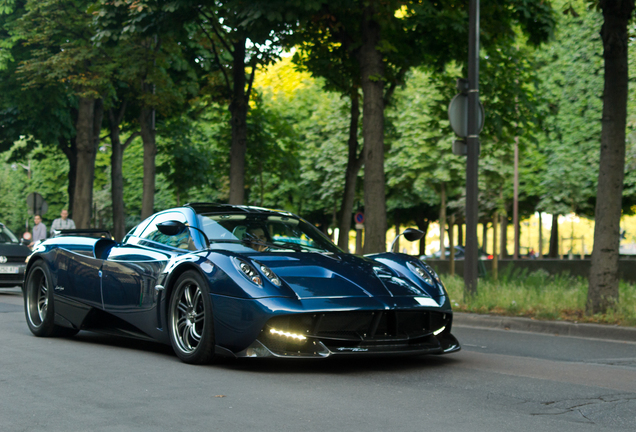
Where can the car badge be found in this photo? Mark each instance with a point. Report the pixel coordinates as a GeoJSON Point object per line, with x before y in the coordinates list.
{"type": "Point", "coordinates": [3, 259]}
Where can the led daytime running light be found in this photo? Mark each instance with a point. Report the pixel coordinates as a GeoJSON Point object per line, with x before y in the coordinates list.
{"type": "Point", "coordinates": [439, 330]}
{"type": "Point", "coordinates": [294, 336]}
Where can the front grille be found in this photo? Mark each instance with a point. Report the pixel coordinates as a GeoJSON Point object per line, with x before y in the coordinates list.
{"type": "Point", "coordinates": [368, 327]}
{"type": "Point", "coordinates": [16, 259]}
{"type": "Point", "coordinates": [6, 277]}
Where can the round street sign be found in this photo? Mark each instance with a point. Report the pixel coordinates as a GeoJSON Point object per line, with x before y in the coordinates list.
{"type": "Point", "coordinates": [359, 217]}
{"type": "Point", "coordinates": [458, 115]}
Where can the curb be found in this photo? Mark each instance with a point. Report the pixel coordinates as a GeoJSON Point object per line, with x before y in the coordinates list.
{"type": "Point", "coordinates": [557, 328]}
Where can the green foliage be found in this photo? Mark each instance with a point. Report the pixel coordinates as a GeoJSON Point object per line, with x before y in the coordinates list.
{"type": "Point", "coordinates": [48, 170]}
{"type": "Point", "coordinates": [572, 84]}
{"type": "Point", "coordinates": [541, 296]}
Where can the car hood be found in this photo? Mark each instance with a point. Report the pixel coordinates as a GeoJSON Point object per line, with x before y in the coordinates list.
{"type": "Point", "coordinates": [14, 250]}
{"type": "Point", "coordinates": [329, 275]}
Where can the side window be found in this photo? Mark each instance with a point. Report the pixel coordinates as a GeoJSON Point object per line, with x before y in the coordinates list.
{"type": "Point", "coordinates": [181, 241]}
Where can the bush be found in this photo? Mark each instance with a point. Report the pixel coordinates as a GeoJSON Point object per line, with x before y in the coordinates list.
{"type": "Point", "coordinates": [539, 295]}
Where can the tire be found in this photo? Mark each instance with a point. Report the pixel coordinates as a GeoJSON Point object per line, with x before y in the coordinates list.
{"type": "Point", "coordinates": [38, 303]}
{"type": "Point", "coordinates": [190, 321]}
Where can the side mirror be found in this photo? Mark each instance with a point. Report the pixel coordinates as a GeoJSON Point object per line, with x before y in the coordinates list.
{"type": "Point", "coordinates": [172, 228]}
{"type": "Point", "coordinates": [410, 234]}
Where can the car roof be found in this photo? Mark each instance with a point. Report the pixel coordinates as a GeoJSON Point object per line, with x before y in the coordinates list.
{"type": "Point", "coordinates": [215, 208]}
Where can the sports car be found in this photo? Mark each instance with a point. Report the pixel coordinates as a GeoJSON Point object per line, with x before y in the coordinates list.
{"type": "Point", "coordinates": [216, 280]}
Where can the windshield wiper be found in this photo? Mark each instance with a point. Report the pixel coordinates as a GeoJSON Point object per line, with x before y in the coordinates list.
{"type": "Point", "coordinates": [249, 241]}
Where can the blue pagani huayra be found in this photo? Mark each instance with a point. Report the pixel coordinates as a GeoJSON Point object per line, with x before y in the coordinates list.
{"type": "Point", "coordinates": [220, 280]}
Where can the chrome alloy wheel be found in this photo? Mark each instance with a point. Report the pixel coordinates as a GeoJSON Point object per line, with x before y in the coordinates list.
{"type": "Point", "coordinates": [37, 299]}
{"type": "Point", "coordinates": [188, 317]}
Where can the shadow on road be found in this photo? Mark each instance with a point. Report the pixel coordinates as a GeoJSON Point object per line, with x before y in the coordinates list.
{"type": "Point", "coordinates": [337, 365]}
{"type": "Point", "coordinates": [340, 365]}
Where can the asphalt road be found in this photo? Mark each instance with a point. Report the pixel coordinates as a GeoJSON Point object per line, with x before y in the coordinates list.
{"type": "Point", "coordinates": [500, 381]}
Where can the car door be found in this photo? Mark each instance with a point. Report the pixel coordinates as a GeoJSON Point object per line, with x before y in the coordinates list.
{"type": "Point", "coordinates": [130, 272]}
{"type": "Point", "coordinates": [78, 277]}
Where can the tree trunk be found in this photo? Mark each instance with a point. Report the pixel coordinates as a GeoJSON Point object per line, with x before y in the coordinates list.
{"type": "Point", "coordinates": [442, 222]}
{"type": "Point", "coordinates": [116, 171]}
{"type": "Point", "coordinates": [238, 110]}
{"type": "Point", "coordinates": [451, 243]}
{"type": "Point", "coordinates": [503, 247]}
{"type": "Point", "coordinates": [460, 234]}
{"type": "Point", "coordinates": [554, 237]}
{"type": "Point", "coordinates": [495, 254]}
{"type": "Point", "coordinates": [116, 178]}
{"type": "Point", "coordinates": [372, 70]}
{"type": "Point", "coordinates": [422, 225]}
{"type": "Point", "coordinates": [354, 163]}
{"type": "Point", "coordinates": [484, 236]}
{"type": "Point", "coordinates": [603, 283]}
{"type": "Point", "coordinates": [147, 123]}
{"type": "Point", "coordinates": [86, 152]}
{"type": "Point", "coordinates": [540, 256]}
{"type": "Point", "coordinates": [397, 233]}
{"type": "Point", "coordinates": [69, 148]}
{"type": "Point", "coordinates": [515, 201]}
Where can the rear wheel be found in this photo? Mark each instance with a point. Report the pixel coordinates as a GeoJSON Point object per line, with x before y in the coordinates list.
{"type": "Point", "coordinates": [190, 319]}
{"type": "Point", "coordinates": [38, 303]}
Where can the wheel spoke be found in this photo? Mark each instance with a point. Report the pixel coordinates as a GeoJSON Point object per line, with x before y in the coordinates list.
{"type": "Point", "coordinates": [182, 307]}
{"type": "Point", "coordinates": [188, 296]}
{"type": "Point", "coordinates": [195, 336]}
{"type": "Point", "coordinates": [184, 337]}
{"type": "Point", "coordinates": [197, 297]}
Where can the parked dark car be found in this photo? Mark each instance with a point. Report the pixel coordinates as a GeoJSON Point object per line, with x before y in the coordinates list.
{"type": "Point", "coordinates": [220, 280]}
{"type": "Point", "coordinates": [459, 254]}
{"type": "Point", "coordinates": [12, 258]}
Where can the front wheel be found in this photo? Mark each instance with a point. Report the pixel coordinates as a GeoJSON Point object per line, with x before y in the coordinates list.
{"type": "Point", "coordinates": [38, 303]}
{"type": "Point", "coordinates": [190, 320]}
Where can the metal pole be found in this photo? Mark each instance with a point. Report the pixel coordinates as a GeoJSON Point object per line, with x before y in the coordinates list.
{"type": "Point", "coordinates": [472, 144]}
{"type": "Point", "coordinates": [515, 203]}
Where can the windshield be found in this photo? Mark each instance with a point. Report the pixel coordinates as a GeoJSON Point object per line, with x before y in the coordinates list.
{"type": "Point", "coordinates": [6, 236]}
{"type": "Point", "coordinates": [274, 232]}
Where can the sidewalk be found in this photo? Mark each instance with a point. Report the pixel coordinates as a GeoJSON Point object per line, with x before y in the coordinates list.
{"type": "Point", "coordinates": [559, 328]}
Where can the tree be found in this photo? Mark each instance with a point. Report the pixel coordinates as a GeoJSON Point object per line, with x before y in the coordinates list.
{"type": "Point", "coordinates": [61, 37]}
{"type": "Point", "coordinates": [238, 36]}
{"type": "Point", "coordinates": [23, 116]}
{"type": "Point", "coordinates": [603, 282]}
{"type": "Point", "coordinates": [386, 39]}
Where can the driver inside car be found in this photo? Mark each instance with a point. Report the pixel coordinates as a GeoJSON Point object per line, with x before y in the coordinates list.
{"type": "Point", "coordinates": [258, 234]}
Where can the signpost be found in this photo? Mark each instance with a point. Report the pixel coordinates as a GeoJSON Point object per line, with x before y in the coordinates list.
{"type": "Point", "coordinates": [472, 152]}
{"type": "Point", "coordinates": [466, 115]}
{"type": "Point", "coordinates": [36, 204]}
{"type": "Point", "coordinates": [359, 220]}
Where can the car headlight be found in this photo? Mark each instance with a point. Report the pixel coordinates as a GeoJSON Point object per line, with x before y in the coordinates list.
{"type": "Point", "coordinates": [253, 275]}
{"type": "Point", "coordinates": [248, 270]}
{"type": "Point", "coordinates": [270, 275]}
{"type": "Point", "coordinates": [421, 272]}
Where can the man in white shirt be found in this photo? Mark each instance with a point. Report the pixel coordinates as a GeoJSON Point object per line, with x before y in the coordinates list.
{"type": "Point", "coordinates": [39, 230]}
{"type": "Point", "coordinates": [62, 223]}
